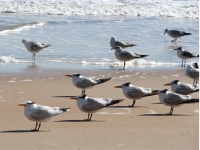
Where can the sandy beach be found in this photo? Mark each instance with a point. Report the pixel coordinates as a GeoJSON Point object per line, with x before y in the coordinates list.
{"type": "Point", "coordinates": [145, 126]}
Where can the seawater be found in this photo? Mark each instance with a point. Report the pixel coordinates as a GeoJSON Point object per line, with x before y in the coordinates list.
{"type": "Point", "coordinates": [83, 39]}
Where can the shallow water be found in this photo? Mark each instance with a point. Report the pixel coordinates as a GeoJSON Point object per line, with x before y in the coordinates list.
{"type": "Point", "coordinates": [83, 40]}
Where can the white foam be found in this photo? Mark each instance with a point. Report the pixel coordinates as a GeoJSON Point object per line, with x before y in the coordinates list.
{"type": "Point", "coordinates": [8, 59]}
{"type": "Point", "coordinates": [18, 29]}
{"type": "Point", "coordinates": [149, 8]}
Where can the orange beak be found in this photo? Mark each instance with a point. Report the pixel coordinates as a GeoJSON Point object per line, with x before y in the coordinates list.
{"type": "Point", "coordinates": [154, 93]}
{"type": "Point", "coordinates": [68, 75]}
{"type": "Point", "coordinates": [167, 84]}
{"type": "Point", "coordinates": [21, 105]}
{"type": "Point", "coordinates": [73, 98]}
{"type": "Point", "coordinates": [117, 87]}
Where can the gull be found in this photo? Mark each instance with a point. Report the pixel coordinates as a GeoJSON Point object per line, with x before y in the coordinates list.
{"type": "Point", "coordinates": [39, 113]}
{"type": "Point", "coordinates": [83, 82]}
{"type": "Point", "coordinates": [34, 47]}
{"type": "Point", "coordinates": [182, 88]}
{"type": "Point", "coordinates": [192, 71]}
{"type": "Point", "coordinates": [125, 55]}
{"type": "Point", "coordinates": [114, 43]}
{"type": "Point", "coordinates": [91, 104]}
{"type": "Point", "coordinates": [181, 53]}
{"type": "Point", "coordinates": [173, 99]}
{"type": "Point", "coordinates": [176, 34]}
{"type": "Point", "coordinates": [135, 92]}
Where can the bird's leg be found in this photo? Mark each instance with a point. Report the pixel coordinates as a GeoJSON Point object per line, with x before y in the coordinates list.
{"type": "Point", "coordinates": [35, 127]}
{"type": "Point", "coordinates": [124, 65]}
{"type": "Point", "coordinates": [132, 104]}
{"type": "Point", "coordinates": [184, 63]}
{"type": "Point", "coordinates": [90, 117]}
{"type": "Point", "coordinates": [39, 126]}
{"type": "Point", "coordinates": [171, 110]}
{"type": "Point", "coordinates": [34, 56]}
{"type": "Point", "coordinates": [194, 82]}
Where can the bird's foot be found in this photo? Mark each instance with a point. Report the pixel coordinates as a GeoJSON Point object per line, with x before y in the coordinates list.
{"type": "Point", "coordinates": [130, 106]}
{"type": "Point", "coordinates": [168, 113]}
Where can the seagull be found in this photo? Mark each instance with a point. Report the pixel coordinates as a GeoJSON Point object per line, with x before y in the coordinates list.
{"type": "Point", "coordinates": [181, 53]}
{"type": "Point", "coordinates": [125, 55]}
{"type": "Point", "coordinates": [182, 88]}
{"type": "Point", "coordinates": [83, 82]}
{"type": "Point", "coordinates": [114, 43]}
{"type": "Point", "coordinates": [90, 104]}
{"type": "Point", "coordinates": [192, 71]}
{"type": "Point", "coordinates": [135, 92]}
{"type": "Point", "coordinates": [173, 99]}
{"type": "Point", "coordinates": [39, 113]}
{"type": "Point", "coordinates": [34, 47]}
{"type": "Point", "coordinates": [176, 34]}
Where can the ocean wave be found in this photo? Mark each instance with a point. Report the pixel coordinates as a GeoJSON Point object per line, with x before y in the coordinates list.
{"type": "Point", "coordinates": [17, 28]}
{"type": "Point", "coordinates": [8, 59]}
{"type": "Point", "coordinates": [147, 8]}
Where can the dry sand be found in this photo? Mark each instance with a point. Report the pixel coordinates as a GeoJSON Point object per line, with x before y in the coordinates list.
{"type": "Point", "coordinates": [145, 126]}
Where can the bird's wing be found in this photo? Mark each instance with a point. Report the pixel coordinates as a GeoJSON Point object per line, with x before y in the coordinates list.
{"type": "Point", "coordinates": [35, 45]}
{"type": "Point", "coordinates": [41, 113]}
{"type": "Point", "coordinates": [127, 54]}
{"type": "Point", "coordinates": [188, 54]}
{"type": "Point", "coordinates": [135, 92]}
{"type": "Point", "coordinates": [93, 104]}
{"type": "Point", "coordinates": [174, 99]}
{"type": "Point", "coordinates": [176, 32]}
{"type": "Point", "coordinates": [121, 44]}
{"type": "Point", "coordinates": [183, 88]}
{"type": "Point", "coordinates": [85, 82]}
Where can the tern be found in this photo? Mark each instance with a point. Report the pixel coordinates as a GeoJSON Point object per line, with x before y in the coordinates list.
{"type": "Point", "coordinates": [91, 104]}
{"type": "Point", "coordinates": [114, 43]}
{"type": "Point", "coordinates": [83, 82]}
{"type": "Point", "coordinates": [135, 92]}
{"type": "Point", "coordinates": [182, 88]}
{"type": "Point", "coordinates": [181, 53]}
{"type": "Point", "coordinates": [125, 55]}
{"type": "Point", "coordinates": [192, 71]}
{"type": "Point", "coordinates": [173, 99]}
{"type": "Point", "coordinates": [39, 113]}
{"type": "Point", "coordinates": [176, 34]}
{"type": "Point", "coordinates": [34, 47]}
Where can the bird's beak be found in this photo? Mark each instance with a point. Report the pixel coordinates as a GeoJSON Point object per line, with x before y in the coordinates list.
{"type": "Point", "coordinates": [154, 92]}
{"type": "Point", "coordinates": [167, 84]}
{"type": "Point", "coordinates": [112, 48]}
{"type": "Point", "coordinates": [68, 75]}
{"type": "Point", "coordinates": [21, 105]}
{"type": "Point", "coordinates": [73, 98]}
{"type": "Point", "coordinates": [164, 33]}
{"type": "Point", "coordinates": [117, 87]}
{"type": "Point", "coordinates": [175, 49]}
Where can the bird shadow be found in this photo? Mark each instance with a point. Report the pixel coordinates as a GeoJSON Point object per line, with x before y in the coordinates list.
{"type": "Point", "coordinates": [79, 121]}
{"type": "Point", "coordinates": [164, 115]}
{"type": "Point", "coordinates": [20, 131]}
{"type": "Point", "coordinates": [126, 107]}
{"type": "Point", "coordinates": [63, 96]}
{"type": "Point", "coordinates": [157, 103]}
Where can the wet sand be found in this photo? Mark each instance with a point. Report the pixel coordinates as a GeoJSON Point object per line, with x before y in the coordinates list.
{"type": "Point", "coordinates": [145, 126]}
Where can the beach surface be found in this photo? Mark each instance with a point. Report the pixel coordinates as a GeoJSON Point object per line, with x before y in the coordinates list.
{"type": "Point", "coordinates": [145, 126]}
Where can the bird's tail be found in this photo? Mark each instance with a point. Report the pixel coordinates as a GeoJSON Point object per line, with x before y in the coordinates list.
{"type": "Point", "coordinates": [192, 101]}
{"type": "Point", "coordinates": [131, 45]}
{"type": "Point", "coordinates": [143, 56]}
{"type": "Point", "coordinates": [196, 90]}
{"type": "Point", "coordinates": [47, 45]}
{"type": "Point", "coordinates": [99, 81]}
{"type": "Point", "coordinates": [187, 33]}
{"type": "Point", "coordinates": [114, 102]}
{"type": "Point", "coordinates": [153, 92]}
{"type": "Point", "coordinates": [65, 109]}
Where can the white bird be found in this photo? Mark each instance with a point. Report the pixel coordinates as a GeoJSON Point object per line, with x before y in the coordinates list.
{"type": "Point", "coordinates": [176, 34]}
{"type": "Point", "coordinates": [182, 88]}
{"type": "Point", "coordinates": [173, 99]}
{"type": "Point", "coordinates": [135, 92]}
{"type": "Point", "coordinates": [125, 55]}
{"type": "Point", "coordinates": [83, 82]}
{"type": "Point", "coordinates": [39, 113]}
{"type": "Point", "coordinates": [114, 43]}
{"type": "Point", "coordinates": [192, 71]}
{"type": "Point", "coordinates": [181, 53]}
{"type": "Point", "coordinates": [91, 104]}
{"type": "Point", "coordinates": [34, 47]}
